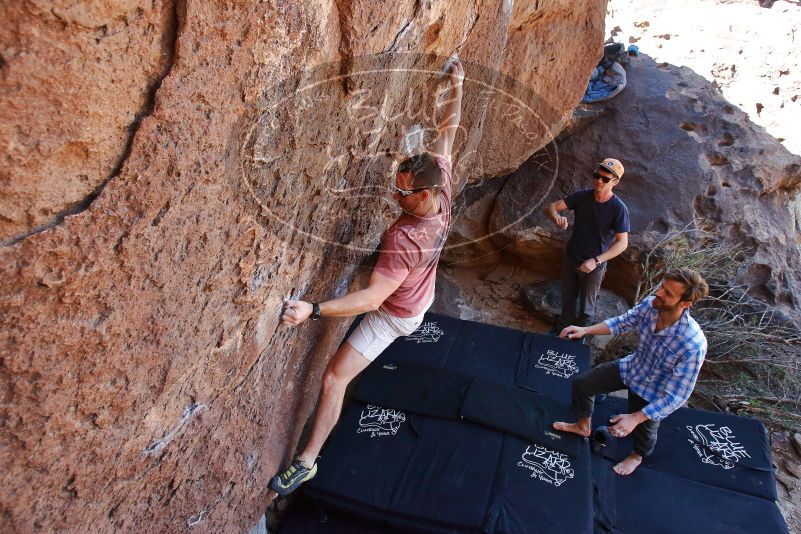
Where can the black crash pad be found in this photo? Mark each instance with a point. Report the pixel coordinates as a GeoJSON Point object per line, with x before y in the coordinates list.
{"type": "Point", "coordinates": [654, 502]}
{"type": "Point", "coordinates": [430, 344]}
{"type": "Point", "coordinates": [437, 392]}
{"type": "Point", "coordinates": [306, 517]}
{"type": "Point", "coordinates": [520, 413]}
{"type": "Point", "coordinates": [423, 470]}
{"type": "Point", "coordinates": [548, 365]}
{"type": "Point", "coordinates": [420, 389]}
{"type": "Point", "coordinates": [427, 474]}
{"type": "Point", "coordinates": [718, 449]}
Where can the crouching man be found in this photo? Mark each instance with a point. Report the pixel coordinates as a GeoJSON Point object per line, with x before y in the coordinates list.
{"type": "Point", "coordinates": [659, 376]}
{"type": "Point", "coordinates": [401, 287]}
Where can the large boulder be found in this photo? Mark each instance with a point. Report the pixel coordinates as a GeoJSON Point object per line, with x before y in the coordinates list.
{"type": "Point", "coordinates": [470, 242]}
{"type": "Point", "coordinates": [174, 171]}
{"type": "Point", "coordinates": [691, 158]}
{"type": "Point", "coordinates": [747, 48]}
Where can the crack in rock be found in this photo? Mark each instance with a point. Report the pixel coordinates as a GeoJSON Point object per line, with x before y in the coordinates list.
{"type": "Point", "coordinates": [170, 45]}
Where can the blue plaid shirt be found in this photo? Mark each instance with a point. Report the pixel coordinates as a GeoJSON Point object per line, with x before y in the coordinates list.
{"type": "Point", "coordinates": [665, 367]}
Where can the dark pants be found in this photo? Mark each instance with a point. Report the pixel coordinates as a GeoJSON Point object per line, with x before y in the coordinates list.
{"type": "Point", "coordinates": [579, 293]}
{"type": "Point", "coordinates": [604, 379]}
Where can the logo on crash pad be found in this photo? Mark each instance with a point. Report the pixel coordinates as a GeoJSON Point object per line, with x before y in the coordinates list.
{"type": "Point", "coordinates": [426, 333]}
{"type": "Point", "coordinates": [547, 465]}
{"type": "Point", "coordinates": [558, 364]}
{"type": "Point", "coordinates": [716, 446]}
{"type": "Point", "coordinates": [378, 421]}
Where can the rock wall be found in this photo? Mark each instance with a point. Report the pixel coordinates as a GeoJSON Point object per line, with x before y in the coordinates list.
{"type": "Point", "coordinates": [172, 172]}
{"type": "Point", "coordinates": [692, 156]}
{"type": "Point", "coordinates": [76, 79]}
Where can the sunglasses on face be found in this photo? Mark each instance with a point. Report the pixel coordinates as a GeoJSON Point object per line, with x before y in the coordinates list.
{"type": "Point", "coordinates": [598, 176]}
{"type": "Point", "coordinates": [407, 192]}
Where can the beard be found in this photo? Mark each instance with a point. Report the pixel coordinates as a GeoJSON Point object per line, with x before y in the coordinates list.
{"type": "Point", "coordinates": [661, 305]}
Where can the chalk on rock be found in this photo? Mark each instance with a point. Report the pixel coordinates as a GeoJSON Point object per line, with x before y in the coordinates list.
{"type": "Point", "coordinates": [446, 68]}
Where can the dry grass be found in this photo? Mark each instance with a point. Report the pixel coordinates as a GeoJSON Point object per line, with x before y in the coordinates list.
{"type": "Point", "coordinates": [753, 362]}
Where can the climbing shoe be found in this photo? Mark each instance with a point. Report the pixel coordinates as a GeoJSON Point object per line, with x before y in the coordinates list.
{"type": "Point", "coordinates": [293, 476]}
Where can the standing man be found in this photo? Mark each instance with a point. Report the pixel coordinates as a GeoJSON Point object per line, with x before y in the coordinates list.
{"type": "Point", "coordinates": [401, 287]}
{"type": "Point", "coordinates": [600, 233]}
{"type": "Point", "coordinates": [659, 377]}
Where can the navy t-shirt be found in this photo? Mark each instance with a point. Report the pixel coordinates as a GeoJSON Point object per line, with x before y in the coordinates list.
{"type": "Point", "coordinates": [596, 224]}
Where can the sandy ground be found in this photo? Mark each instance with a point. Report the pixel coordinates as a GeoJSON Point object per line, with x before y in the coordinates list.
{"type": "Point", "coordinates": [488, 295]}
{"type": "Point", "coordinates": [749, 50]}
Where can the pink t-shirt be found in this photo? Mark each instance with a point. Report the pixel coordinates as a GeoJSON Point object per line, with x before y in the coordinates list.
{"type": "Point", "coordinates": [410, 252]}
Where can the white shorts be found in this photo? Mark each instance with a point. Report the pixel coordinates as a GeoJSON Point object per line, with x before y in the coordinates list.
{"type": "Point", "coordinates": [378, 330]}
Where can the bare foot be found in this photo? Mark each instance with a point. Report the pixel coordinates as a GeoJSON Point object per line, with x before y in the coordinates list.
{"type": "Point", "coordinates": [582, 427]}
{"type": "Point", "coordinates": [627, 466]}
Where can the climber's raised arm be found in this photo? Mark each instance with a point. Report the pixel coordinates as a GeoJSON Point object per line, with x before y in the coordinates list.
{"type": "Point", "coordinates": [452, 115]}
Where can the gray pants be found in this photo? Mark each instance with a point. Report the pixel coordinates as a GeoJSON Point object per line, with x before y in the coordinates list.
{"type": "Point", "coordinates": [579, 293]}
{"type": "Point", "coordinates": [604, 379]}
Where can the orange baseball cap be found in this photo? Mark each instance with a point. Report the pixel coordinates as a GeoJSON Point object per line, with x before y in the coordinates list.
{"type": "Point", "coordinates": [612, 165]}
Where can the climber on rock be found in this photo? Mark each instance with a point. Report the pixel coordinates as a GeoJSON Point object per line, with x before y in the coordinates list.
{"type": "Point", "coordinates": [600, 233]}
{"type": "Point", "coordinates": [659, 376]}
{"type": "Point", "coordinates": [401, 286]}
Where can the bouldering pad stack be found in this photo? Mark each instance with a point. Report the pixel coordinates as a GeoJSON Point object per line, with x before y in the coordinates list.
{"type": "Point", "coordinates": [450, 431]}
